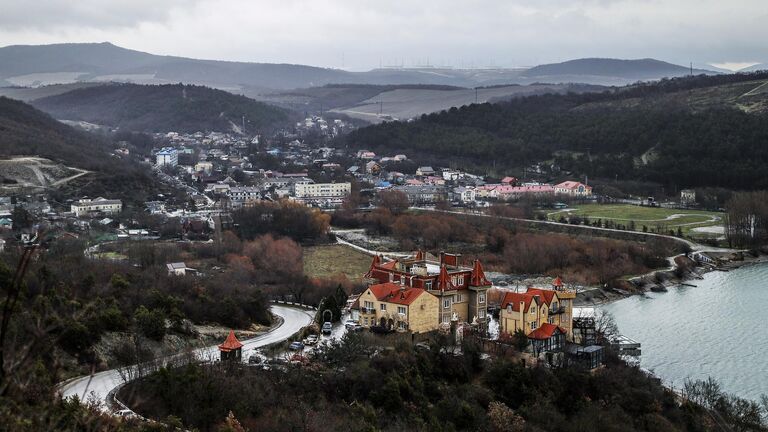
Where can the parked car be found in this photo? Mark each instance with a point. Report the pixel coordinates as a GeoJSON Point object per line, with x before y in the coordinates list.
{"type": "Point", "coordinates": [310, 340]}
{"type": "Point", "coordinates": [125, 413]}
{"type": "Point", "coordinates": [254, 359]}
{"type": "Point", "coordinates": [350, 324]}
{"type": "Point", "coordinates": [327, 328]}
{"type": "Point", "coordinates": [295, 346]}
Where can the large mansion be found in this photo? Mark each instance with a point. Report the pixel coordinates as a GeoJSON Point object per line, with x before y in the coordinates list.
{"type": "Point", "coordinates": [444, 290]}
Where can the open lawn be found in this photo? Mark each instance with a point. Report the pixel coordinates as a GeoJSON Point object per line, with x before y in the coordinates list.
{"type": "Point", "coordinates": [332, 260]}
{"type": "Point", "coordinates": [655, 219]}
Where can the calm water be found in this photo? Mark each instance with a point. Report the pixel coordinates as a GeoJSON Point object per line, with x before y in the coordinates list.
{"type": "Point", "coordinates": [716, 329]}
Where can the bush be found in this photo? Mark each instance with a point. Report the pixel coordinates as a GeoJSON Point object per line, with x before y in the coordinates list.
{"type": "Point", "coordinates": [150, 323]}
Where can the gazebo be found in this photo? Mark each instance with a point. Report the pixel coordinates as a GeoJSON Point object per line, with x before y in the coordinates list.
{"type": "Point", "coordinates": [231, 349]}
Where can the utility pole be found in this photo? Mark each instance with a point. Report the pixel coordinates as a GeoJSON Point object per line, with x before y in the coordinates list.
{"type": "Point", "coordinates": [475, 95]}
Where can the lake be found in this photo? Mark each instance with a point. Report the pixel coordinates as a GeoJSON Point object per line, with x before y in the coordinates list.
{"type": "Point", "coordinates": [715, 329]}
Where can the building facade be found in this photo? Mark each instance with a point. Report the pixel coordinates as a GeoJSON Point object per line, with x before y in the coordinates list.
{"type": "Point", "coordinates": [573, 189]}
{"type": "Point", "coordinates": [86, 206]}
{"type": "Point", "coordinates": [461, 291]}
{"type": "Point", "coordinates": [540, 313]}
{"type": "Point", "coordinates": [167, 156]}
{"type": "Point", "coordinates": [398, 307]}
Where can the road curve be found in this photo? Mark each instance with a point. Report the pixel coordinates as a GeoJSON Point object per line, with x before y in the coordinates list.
{"type": "Point", "coordinates": [99, 385]}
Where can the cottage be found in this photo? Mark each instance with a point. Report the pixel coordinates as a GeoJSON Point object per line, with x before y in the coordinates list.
{"type": "Point", "coordinates": [425, 171]}
{"type": "Point", "coordinates": [178, 269]}
{"type": "Point", "coordinates": [395, 306]}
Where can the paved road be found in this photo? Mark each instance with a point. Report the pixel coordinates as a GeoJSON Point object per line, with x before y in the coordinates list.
{"type": "Point", "coordinates": [99, 385]}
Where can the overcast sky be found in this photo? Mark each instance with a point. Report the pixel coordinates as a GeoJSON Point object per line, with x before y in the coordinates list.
{"type": "Point", "coordinates": [362, 34]}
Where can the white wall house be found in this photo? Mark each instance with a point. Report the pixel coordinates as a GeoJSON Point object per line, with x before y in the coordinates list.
{"type": "Point", "coordinates": [167, 156]}
{"type": "Point", "coordinates": [101, 205]}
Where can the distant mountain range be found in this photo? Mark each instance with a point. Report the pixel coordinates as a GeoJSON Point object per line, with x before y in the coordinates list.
{"type": "Point", "coordinates": [162, 108]}
{"type": "Point", "coordinates": [67, 63]}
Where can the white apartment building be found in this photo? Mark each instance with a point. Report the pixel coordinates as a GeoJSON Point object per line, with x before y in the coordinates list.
{"type": "Point", "coordinates": [102, 205]}
{"type": "Point", "coordinates": [322, 190]}
{"type": "Point", "coordinates": [167, 156]}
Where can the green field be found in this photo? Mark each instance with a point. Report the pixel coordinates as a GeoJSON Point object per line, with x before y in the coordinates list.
{"type": "Point", "coordinates": [332, 260]}
{"type": "Point", "coordinates": [655, 219]}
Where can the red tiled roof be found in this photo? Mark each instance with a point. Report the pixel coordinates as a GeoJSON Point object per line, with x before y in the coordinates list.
{"type": "Point", "coordinates": [546, 294]}
{"type": "Point", "coordinates": [395, 293]}
{"type": "Point", "coordinates": [515, 298]}
{"type": "Point", "coordinates": [478, 275]}
{"type": "Point", "coordinates": [443, 281]}
{"type": "Point", "coordinates": [390, 265]}
{"type": "Point", "coordinates": [231, 343]}
{"type": "Point", "coordinates": [545, 332]}
{"type": "Point", "coordinates": [557, 282]}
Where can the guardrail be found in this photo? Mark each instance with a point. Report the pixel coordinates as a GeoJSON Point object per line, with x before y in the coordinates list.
{"type": "Point", "coordinates": [287, 303]}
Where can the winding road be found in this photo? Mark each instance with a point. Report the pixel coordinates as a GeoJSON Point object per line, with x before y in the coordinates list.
{"type": "Point", "coordinates": [99, 385]}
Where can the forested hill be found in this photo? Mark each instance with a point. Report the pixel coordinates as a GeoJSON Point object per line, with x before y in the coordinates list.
{"type": "Point", "coordinates": [25, 130]}
{"type": "Point", "coordinates": [683, 132]}
{"type": "Point", "coordinates": [163, 108]}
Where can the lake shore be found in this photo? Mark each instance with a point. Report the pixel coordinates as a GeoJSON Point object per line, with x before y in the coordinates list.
{"type": "Point", "coordinates": [662, 280]}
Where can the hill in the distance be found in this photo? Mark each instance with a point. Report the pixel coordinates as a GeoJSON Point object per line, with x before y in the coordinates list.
{"type": "Point", "coordinates": [35, 65]}
{"type": "Point", "coordinates": [684, 132]}
{"type": "Point", "coordinates": [606, 68]}
{"type": "Point", "coordinates": [26, 131]}
{"type": "Point", "coordinates": [162, 108]}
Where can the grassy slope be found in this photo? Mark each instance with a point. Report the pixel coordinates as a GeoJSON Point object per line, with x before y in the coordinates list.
{"type": "Point", "coordinates": [329, 261]}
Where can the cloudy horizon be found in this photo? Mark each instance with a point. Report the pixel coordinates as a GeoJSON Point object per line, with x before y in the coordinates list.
{"type": "Point", "coordinates": [365, 34]}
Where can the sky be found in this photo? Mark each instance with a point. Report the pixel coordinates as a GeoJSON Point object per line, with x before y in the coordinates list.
{"type": "Point", "coordinates": [365, 34]}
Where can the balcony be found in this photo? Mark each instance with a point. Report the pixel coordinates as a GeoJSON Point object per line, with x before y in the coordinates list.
{"type": "Point", "coordinates": [367, 310]}
{"type": "Point", "coordinates": [557, 310]}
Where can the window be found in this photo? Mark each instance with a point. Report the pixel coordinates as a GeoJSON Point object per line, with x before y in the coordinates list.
{"type": "Point", "coordinates": [383, 307]}
{"type": "Point", "coordinates": [481, 298]}
{"type": "Point", "coordinates": [365, 321]}
{"type": "Point", "coordinates": [460, 280]}
{"type": "Point", "coordinates": [447, 303]}
{"type": "Point", "coordinates": [533, 325]}
{"type": "Point", "coordinates": [402, 325]}
{"type": "Point", "coordinates": [401, 310]}
{"type": "Point", "coordinates": [533, 310]}
{"type": "Point", "coordinates": [368, 305]}
{"type": "Point", "coordinates": [481, 313]}
{"type": "Point", "coordinates": [459, 298]}
{"type": "Point", "coordinates": [428, 285]}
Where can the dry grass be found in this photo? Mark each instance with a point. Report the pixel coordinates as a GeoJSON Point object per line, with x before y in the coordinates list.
{"type": "Point", "coordinates": [329, 261]}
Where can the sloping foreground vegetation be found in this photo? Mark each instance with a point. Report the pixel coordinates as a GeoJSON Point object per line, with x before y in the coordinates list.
{"type": "Point", "coordinates": [355, 388]}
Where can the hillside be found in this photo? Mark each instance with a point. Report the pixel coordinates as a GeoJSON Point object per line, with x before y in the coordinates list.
{"type": "Point", "coordinates": [26, 131]}
{"type": "Point", "coordinates": [703, 131]}
{"type": "Point", "coordinates": [635, 70]}
{"type": "Point", "coordinates": [162, 108]}
{"type": "Point", "coordinates": [36, 65]}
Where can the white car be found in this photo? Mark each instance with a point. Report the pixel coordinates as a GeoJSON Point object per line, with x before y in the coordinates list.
{"type": "Point", "coordinates": [350, 324]}
{"type": "Point", "coordinates": [311, 340]}
{"type": "Point", "coordinates": [125, 413]}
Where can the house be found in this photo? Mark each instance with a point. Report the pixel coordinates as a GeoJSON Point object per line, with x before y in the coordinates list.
{"type": "Point", "coordinates": [537, 309]}
{"type": "Point", "coordinates": [461, 290]}
{"type": "Point", "coordinates": [365, 154]}
{"type": "Point", "coordinates": [573, 189]}
{"type": "Point", "coordinates": [463, 194]}
{"type": "Point", "coordinates": [423, 194]}
{"type": "Point", "coordinates": [687, 197]}
{"type": "Point", "coordinates": [425, 171]}
{"type": "Point", "coordinates": [167, 156]}
{"type": "Point", "coordinates": [178, 269]}
{"type": "Point", "coordinates": [204, 166]}
{"type": "Point", "coordinates": [395, 306]}
{"type": "Point", "coordinates": [372, 168]}
{"type": "Point", "coordinates": [325, 193]}
{"type": "Point", "coordinates": [509, 181]}
{"type": "Point", "coordinates": [101, 205]}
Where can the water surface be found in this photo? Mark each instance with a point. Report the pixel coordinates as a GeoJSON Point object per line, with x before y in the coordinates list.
{"type": "Point", "coordinates": [716, 329]}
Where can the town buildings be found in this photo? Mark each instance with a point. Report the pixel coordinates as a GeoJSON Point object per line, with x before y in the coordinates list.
{"type": "Point", "coordinates": [460, 291]}
{"type": "Point", "coordinates": [100, 205]}
{"type": "Point", "coordinates": [322, 193]}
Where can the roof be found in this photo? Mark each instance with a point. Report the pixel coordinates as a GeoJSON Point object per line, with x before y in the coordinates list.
{"type": "Point", "coordinates": [395, 293]}
{"type": "Point", "coordinates": [514, 299]}
{"type": "Point", "coordinates": [176, 266]}
{"type": "Point", "coordinates": [231, 343]}
{"type": "Point", "coordinates": [545, 294]}
{"type": "Point", "coordinates": [478, 275]}
{"type": "Point", "coordinates": [571, 185]}
{"type": "Point", "coordinates": [545, 332]}
{"type": "Point", "coordinates": [557, 282]}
